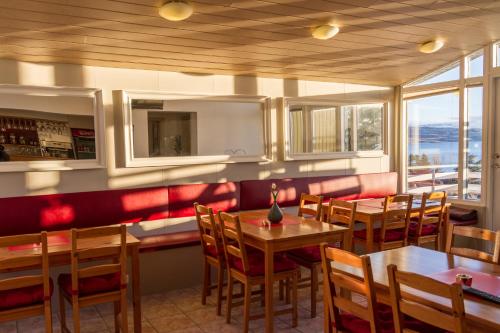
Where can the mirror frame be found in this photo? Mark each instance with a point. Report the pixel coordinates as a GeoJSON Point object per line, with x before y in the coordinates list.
{"type": "Point", "coordinates": [99, 128]}
{"type": "Point", "coordinates": [124, 135]}
{"type": "Point", "coordinates": [285, 116]}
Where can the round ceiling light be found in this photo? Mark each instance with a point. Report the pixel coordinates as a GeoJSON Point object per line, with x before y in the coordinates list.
{"type": "Point", "coordinates": [431, 46]}
{"type": "Point", "coordinates": [326, 31]}
{"type": "Point", "coordinates": [176, 10]}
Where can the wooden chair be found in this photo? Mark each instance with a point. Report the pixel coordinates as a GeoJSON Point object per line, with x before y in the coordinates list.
{"type": "Point", "coordinates": [430, 220]}
{"type": "Point", "coordinates": [451, 319]}
{"type": "Point", "coordinates": [393, 232]}
{"type": "Point", "coordinates": [477, 233]}
{"type": "Point", "coordinates": [247, 267]}
{"type": "Point", "coordinates": [213, 253]}
{"type": "Point", "coordinates": [339, 212]}
{"type": "Point", "coordinates": [27, 295]}
{"type": "Point", "coordinates": [343, 213]}
{"type": "Point", "coordinates": [97, 283]}
{"type": "Point", "coordinates": [308, 200]}
{"type": "Point", "coordinates": [345, 314]}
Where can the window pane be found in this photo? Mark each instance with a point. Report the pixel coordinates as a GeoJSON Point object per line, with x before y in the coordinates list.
{"type": "Point", "coordinates": [185, 127]}
{"type": "Point", "coordinates": [497, 52]}
{"type": "Point", "coordinates": [348, 125]}
{"type": "Point", "coordinates": [324, 129]}
{"type": "Point", "coordinates": [369, 127]}
{"type": "Point", "coordinates": [433, 123]}
{"type": "Point", "coordinates": [297, 134]}
{"type": "Point", "coordinates": [475, 65]}
{"type": "Point", "coordinates": [449, 74]}
{"type": "Point", "coordinates": [473, 143]}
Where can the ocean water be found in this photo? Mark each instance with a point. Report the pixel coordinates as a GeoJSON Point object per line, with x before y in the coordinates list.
{"type": "Point", "coordinates": [444, 152]}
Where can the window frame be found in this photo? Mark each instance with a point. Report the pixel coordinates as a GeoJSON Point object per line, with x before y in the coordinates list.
{"type": "Point", "coordinates": [410, 91]}
{"type": "Point", "coordinates": [286, 140]}
{"type": "Point", "coordinates": [124, 130]}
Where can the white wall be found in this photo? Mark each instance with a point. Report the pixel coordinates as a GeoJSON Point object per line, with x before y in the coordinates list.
{"type": "Point", "coordinates": [109, 79]}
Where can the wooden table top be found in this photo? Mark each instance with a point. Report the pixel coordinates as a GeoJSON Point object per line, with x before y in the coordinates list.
{"type": "Point", "coordinates": [59, 243]}
{"type": "Point", "coordinates": [426, 262]}
{"type": "Point", "coordinates": [298, 227]}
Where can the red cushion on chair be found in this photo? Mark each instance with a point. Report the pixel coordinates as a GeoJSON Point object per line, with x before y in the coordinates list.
{"type": "Point", "coordinates": [390, 235]}
{"type": "Point", "coordinates": [16, 298]}
{"type": "Point", "coordinates": [309, 253]}
{"type": "Point", "coordinates": [354, 324]}
{"type": "Point", "coordinates": [427, 229]}
{"type": "Point", "coordinates": [214, 252]}
{"type": "Point", "coordinates": [256, 263]}
{"type": "Point", "coordinates": [92, 285]}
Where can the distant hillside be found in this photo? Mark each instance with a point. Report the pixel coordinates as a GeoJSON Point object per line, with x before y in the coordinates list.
{"type": "Point", "coordinates": [439, 133]}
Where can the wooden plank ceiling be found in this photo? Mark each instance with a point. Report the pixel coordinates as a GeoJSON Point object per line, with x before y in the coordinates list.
{"type": "Point", "coordinates": [269, 38]}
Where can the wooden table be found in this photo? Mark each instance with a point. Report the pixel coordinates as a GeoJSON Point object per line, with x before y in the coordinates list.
{"type": "Point", "coordinates": [59, 248]}
{"type": "Point", "coordinates": [272, 239]}
{"type": "Point", "coordinates": [482, 316]}
{"type": "Point", "coordinates": [370, 212]}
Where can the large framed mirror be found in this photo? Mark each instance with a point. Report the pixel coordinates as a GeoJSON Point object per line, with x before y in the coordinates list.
{"type": "Point", "coordinates": [320, 129]}
{"type": "Point", "coordinates": [176, 129]}
{"type": "Point", "coordinates": [50, 128]}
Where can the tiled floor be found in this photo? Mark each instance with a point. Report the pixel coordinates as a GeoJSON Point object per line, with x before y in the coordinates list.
{"type": "Point", "coordinates": [180, 311]}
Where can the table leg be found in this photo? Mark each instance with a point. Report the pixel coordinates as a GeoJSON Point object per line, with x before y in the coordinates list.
{"type": "Point", "coordinates": [269, 265]}
{"type": "Point", "coordinates": [136, 290]}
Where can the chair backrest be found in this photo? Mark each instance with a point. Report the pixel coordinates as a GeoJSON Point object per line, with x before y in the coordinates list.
{"type": "Point", "coordinates": [432, 210]}
{"type": "Point", "coordinates": [98, 244]}
{"type": "Point", "coordinates": [477, 233]}
{"type": "Point", "coordinates": [209, 233]}
{"type": "Point", "coordinates": [342, 213]}
{"type": "Point", "coordinates": [450, 318]}
{"type": "Point", "coordinates": [338, 279]}
{"type": "Point", "coordinates": [232, 239]}
{"type": "Point", "coordinates": [308, 200]}
{"type": "Point", "coordinates": [397, 213]}
{"type": "Point", "coordinates": [25, 259]}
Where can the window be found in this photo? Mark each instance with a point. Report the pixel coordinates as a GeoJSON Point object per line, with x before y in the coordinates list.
{"type": "Point", "coordinates": [475, 64]}
{"type": "Point", "coordinates": [473, 143]}
{"type": "Point", "coordinates": [59, 128]}
{"type": "Point", "coordinates": [444, 131]}
{"type": "Point", "coordinates": [324, 129]}
{"type": "Point", "coordinates": [433, 150]}
{"type": "Point", "coordinates": [177, 129]}
{"type": "Point", "coordinates": [447, 74]}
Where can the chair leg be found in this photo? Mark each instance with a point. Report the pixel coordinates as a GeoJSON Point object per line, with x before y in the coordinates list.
{"type": "Point", "coordinates": [287, 293]}
{"type": "Point", "coordinates": [117, 309]}
{"type": "Point", "coordinates": [246, 307]}
{"type": "Point", "coordinates": [314, 289]}
{"type": "Point", "coordinates": [220, 283]}
{"type": "Point", "coordinates": [123, 311]}
{"type": "Point", "coordinates": [206, 282]}
{"type": "Point", "coordinates": [76, 315]}
{"type": "Point", "coordinates": [62, 312]}
{"type": "Point", "coordinates": [48, 316]}
{"type": "Point", "coordinates": [229, 298]}
{"type": "Point", "coordinates": [295, 314]}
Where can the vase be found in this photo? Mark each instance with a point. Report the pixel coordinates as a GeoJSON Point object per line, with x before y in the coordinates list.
{"type": "Point", "coordinates": [275, 214]}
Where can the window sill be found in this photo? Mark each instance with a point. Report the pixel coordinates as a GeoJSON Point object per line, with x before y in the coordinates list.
{"type": "Point", "coordinates": [332, 156]}
{"type": "Point", "coordinates": [191, 160]}
{"type": "Point", "coordinates": [471, 203]}
{"type": "Point", "coordinates": [50, 165]}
